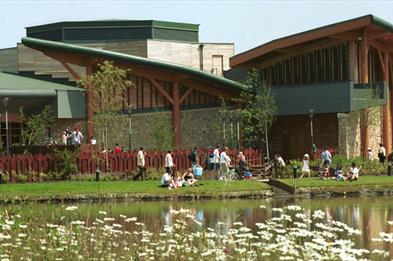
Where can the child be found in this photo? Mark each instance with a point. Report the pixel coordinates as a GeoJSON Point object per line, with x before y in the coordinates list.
{"type": "Point", "coordinates": [325, 169]}
{"type": "Point", "coordinates": [353, 172]}
{"type": "Point", "coordinates": [306, 166]}
{"type": "Point", "coordinates": [339, 173]}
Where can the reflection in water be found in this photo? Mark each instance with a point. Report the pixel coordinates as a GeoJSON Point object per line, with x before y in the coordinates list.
{"type": "Point", "coordinates": [367, 214]}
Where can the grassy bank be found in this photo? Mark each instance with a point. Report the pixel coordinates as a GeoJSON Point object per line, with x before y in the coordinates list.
{"type": "Point", "coordinates": [319, 183]}
{"type": "Point", "coordinates": [73, 190]}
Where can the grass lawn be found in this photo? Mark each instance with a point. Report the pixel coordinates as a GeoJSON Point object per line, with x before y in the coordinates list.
{"type": "Point", "coordinates": [363, 181]}
{"type": "Point", "coordinates": [69, 188]}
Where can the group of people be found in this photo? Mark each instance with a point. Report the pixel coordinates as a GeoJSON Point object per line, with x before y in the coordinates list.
{"type": "Point", "coordinates": [219, 161]}
{"type": "Point", "coordinates": [324, 169]}
{"type": "Point", "coordinates": [74, 137]}
{"type": "Point", "coordinates": [172, 180]}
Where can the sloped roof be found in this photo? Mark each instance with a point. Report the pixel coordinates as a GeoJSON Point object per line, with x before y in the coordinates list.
{"type": "Point", "coordinates": [317, 33]}
{"type": "Point", "coordinates": [13, 84]}
{"type": "Point", "coordinates": [212, 79]}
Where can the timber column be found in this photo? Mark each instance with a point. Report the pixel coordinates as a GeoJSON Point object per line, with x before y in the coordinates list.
{"type": "Point", "coordinates": [89, 105]}
{"type": "Point", "coordinates": [386, 112]}
{"type": "Point", "coordinates": [364, 80]}
{"type": "Point", "coordinates": [176, 114]}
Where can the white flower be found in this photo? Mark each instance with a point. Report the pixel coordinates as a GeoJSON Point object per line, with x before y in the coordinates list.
{"type": "Point", "coordinates": [71, 208]}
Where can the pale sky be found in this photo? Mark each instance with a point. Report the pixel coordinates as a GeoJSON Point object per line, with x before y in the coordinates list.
{"type": "Point", "coordinates": [245, 23]}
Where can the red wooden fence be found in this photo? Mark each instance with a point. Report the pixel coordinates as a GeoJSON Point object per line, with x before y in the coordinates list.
{"type": "Point", "coordinates": [121, 162]}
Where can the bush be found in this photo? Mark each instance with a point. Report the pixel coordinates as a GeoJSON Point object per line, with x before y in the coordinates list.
{"type": "Point", "coordinates": [68, 166]}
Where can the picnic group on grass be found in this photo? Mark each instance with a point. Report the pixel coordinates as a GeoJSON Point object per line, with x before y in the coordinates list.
{"type": "Point", "coordinates": [217, 159]}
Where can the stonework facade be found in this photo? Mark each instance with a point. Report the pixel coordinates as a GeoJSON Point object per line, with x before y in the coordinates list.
{"type": "Point", "coordinates": [198, 128]}
{"type": "Point", "coordinates": [349, 134]}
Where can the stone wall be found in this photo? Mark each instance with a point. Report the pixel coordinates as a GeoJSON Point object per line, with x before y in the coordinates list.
{"type": "Point", "coordinates": [198, 128]}
{"type": "Point", "coordinates": [349, 135]}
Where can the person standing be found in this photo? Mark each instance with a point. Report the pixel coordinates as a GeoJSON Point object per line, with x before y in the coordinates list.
{"type": "Point", "coordinates": [117, 149]}
{"type": "Point", "coordinates": [141, 164]}
{"type": "Point", "coordinates": [64, 138]}
{"type": "Point", "coordinates": [381, 153]}
{"type": "Point", "coordinates": [306, 166]}
{"type": "Point", "coordinates": [326, 156]}
{"type": "Point", "coordinates": [193, 157]}
{"type": "Point", "coordinates": [93, 140]}
{"type": "Point", "coordinates": [169, 160]}
{"type": "Point", "coordinates": [216, 158]}
{"type": "Point", "coordinates": [224, 161]}
{"type": "Point", "coordinates": [76, 137]}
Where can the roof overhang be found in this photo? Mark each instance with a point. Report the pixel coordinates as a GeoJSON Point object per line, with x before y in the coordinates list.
{"type": "Point", "coordinates": [85, 56]}
{"type": "Point", "coordinates": [380, 32]}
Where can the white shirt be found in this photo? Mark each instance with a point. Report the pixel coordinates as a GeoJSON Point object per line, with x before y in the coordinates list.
{"type": "Point", "coordinates": [64, 139]}
{"type": "Point", "coordinates": [76, 137]}
{"type": "Point", "coordinates": [216, 156]}
{"type": "Point", "coordinates": [280, 162]}
{"type": "Point", "coordinates": [141, 158]}
{"type": "Point", "coordinates": [306, 167]}
{"type": "Point", "coordinates": [382, 151]}
{"type": "Point", "coordinates": [168, 160]}
{"type": "Point", "coordinates": [165, 178]}
{"type": "Point", "coordinates": [93, 141]}
{"type": "Point", "coordinates": [223, 158]}
{"type": "Point", "coordinates": [354, 172]}
{"type": "Point", "coordinates": [325, 155]}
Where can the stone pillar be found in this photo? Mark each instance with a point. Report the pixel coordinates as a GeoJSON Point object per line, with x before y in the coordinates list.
{"type": "Point", "coordinates": [349, 134]}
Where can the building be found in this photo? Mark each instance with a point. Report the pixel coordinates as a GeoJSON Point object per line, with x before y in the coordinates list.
{"type": "Point", "coordinates": [170, 68]}
{"type": "Point", "coordinates": [332, 86]}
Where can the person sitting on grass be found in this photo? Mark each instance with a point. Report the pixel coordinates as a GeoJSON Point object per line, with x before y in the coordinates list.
{"type": "Point", "coordinates": [339, 173]}
{"type": "Point", "coordinates": [167, 180]}
{"type": "Point", "coordinates": [353, 172]}
{"type": "Point", "coordinates": [324, 170]}
{"type": "Point", "coordinates": [188, 177]}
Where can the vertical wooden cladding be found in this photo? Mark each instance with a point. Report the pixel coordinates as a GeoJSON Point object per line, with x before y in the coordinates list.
{"type": "Point", "coordinates": [328, 64]}
{"type": "Point", "coordinates": [375, 73]}
{"type": "Point", "coordinates": [143, 95]}
{"type": "Point", "coordinates": [197, 98]}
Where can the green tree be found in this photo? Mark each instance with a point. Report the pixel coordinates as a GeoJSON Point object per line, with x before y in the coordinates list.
{"type": "Point", "coordinates": [108, 85]}
{"type": "Point", "coordinates": [37, 125]}
{"type": "Point", "coordinates": [259, 111]}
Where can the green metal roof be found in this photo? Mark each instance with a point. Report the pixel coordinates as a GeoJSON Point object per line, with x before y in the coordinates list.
{"type": "Point", "coordinates": [126, 58]}
{"type": "Point", "coordinates": [15, 84]}
{"type": "Point", "coordinates": [114, 22]}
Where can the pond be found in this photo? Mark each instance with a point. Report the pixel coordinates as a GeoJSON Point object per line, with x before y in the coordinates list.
{"type": "Point", "coordinates": [369, 215]}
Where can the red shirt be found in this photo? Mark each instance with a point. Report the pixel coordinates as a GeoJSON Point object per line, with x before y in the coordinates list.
{"type": "Point", "coordinates": [117, 150]}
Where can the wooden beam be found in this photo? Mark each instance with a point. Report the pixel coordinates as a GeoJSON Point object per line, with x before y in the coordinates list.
{"type": "Point", "coordinates": [69, 57]}
{"type": "Point", "coordinates": [176, 115]}
{"type": "Point", "coordinates": [71, 71]}
{"type": "Point", "coordinates": [348, 36]}
{"type": "Point", "coordinates": [375, 35]}
{"type": "Point", "coordinates": [384, 47]}
{"type": "Point", "coordinates": [160, 89]}
{"type": "Point", "coordinates": [382, 63]}
{"type": "Point", "coordinates": [89, 105]}
{"type": "Point", "coordinates": [210, 90]}
{"type": "Point", "coordinates": [364, 79]}
{"type": "Point", "coordinates": [386, 112]}
{"type": "Point", "coordinates": [185, 95]}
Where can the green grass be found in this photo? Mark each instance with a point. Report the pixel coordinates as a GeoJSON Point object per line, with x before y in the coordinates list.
{"type": "Point", "coordinates": [363, 181]}
{"type": "Point", "coordinates": [70, 188]}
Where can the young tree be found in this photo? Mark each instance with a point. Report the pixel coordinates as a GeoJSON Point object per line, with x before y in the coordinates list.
{"type": "Point", "coordinates": [37, 125]}
{"type": "Point", "coordinates": [162, 131]}
{"type": "Point", "coordinates": [108, 85]}
{"type": "Point", "coordinates": [259, 111]}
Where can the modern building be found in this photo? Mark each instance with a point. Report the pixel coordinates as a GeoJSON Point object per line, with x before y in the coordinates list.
{"type": "Point", "coordinates": [332, 86]}
{"type": "Point", "coordinates": [171, 70]}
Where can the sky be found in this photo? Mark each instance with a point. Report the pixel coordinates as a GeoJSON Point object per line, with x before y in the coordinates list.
{"type": "Point", "coordinates": [247, 24]}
